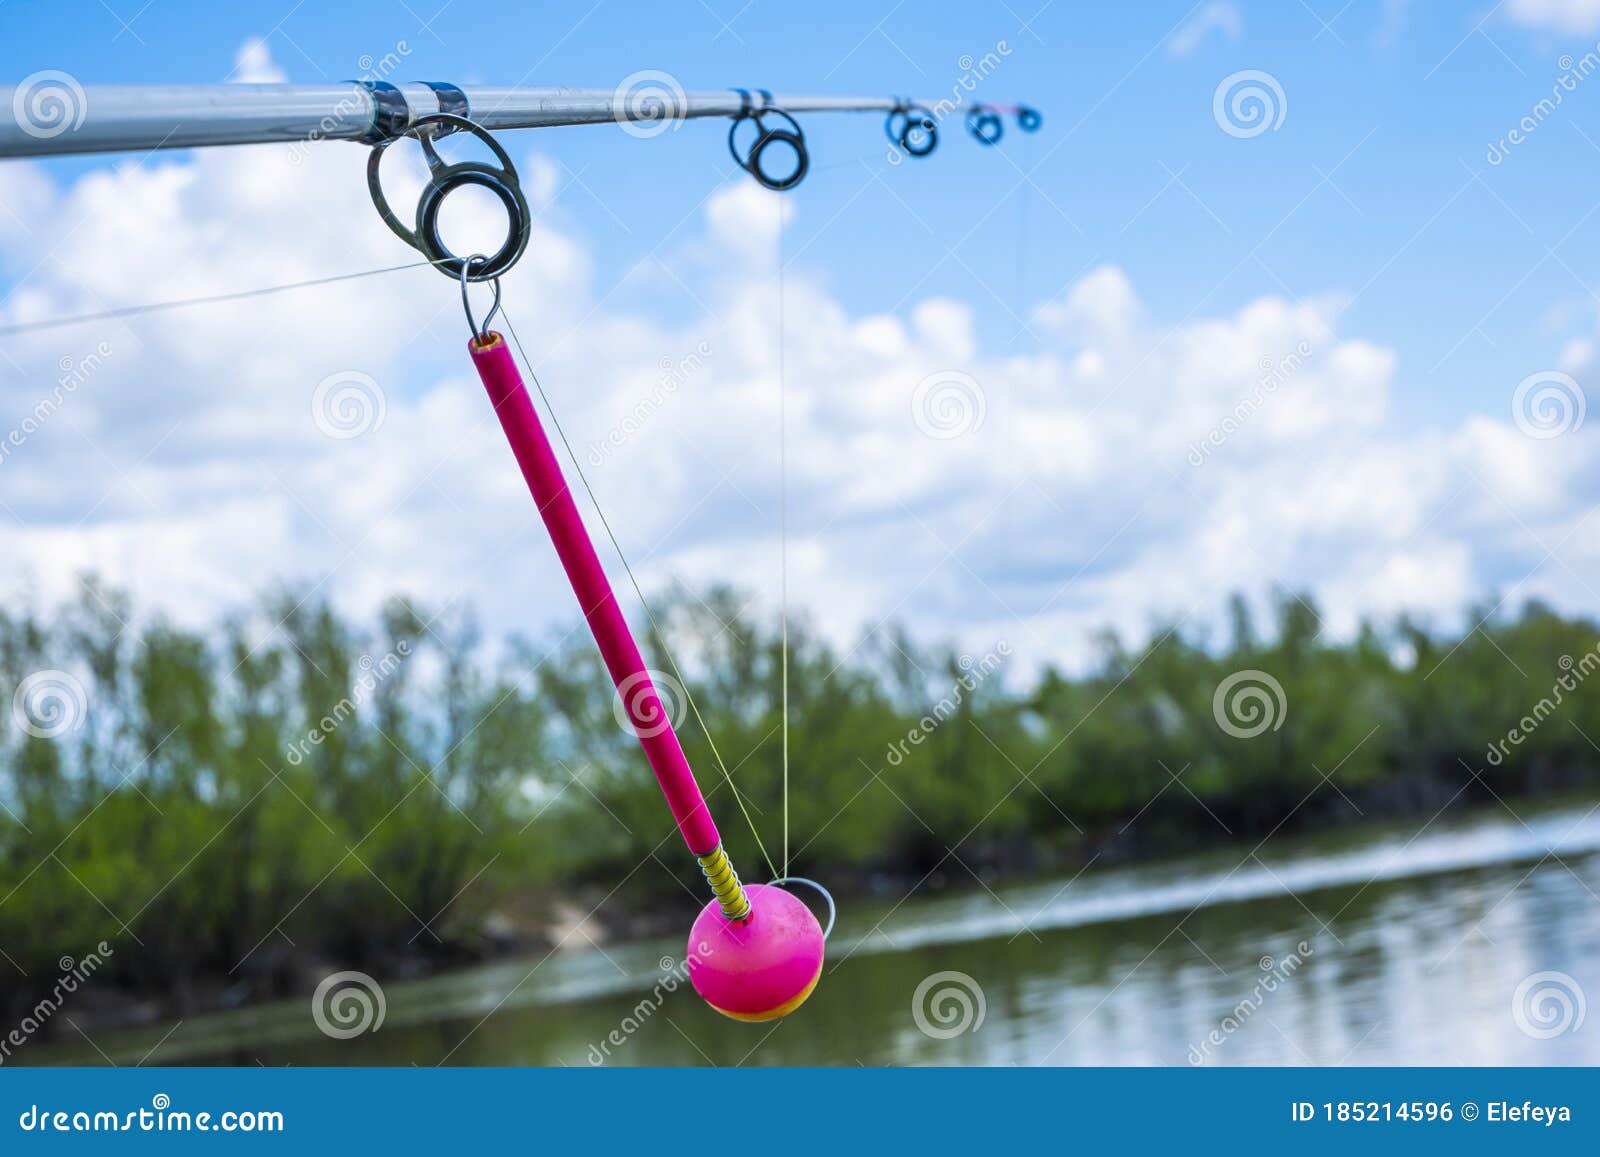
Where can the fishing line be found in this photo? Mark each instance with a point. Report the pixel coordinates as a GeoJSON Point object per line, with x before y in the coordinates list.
{"type": "Point", "coordinates": [783, 534]}
{"type": "Point", "coordinates": [1022, 237]}
{"type": "Point", "coordinates": [864, 159]}
{"type": "Point", "coordinates": [184, 303]}
{"type": "Point", "coordinates": [655, 627]}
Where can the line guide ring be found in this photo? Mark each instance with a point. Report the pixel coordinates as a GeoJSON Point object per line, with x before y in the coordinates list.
{"type": "Point", "coordinates": [792, 137]}
{"type": "Point", "coordinates": [911, 128]}
{"type": "Point", "coordinates": [985, 125]}
{"type": "Point", "coordinates": [442, 180]}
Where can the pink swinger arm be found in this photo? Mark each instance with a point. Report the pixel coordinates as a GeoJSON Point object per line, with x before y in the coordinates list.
{"type": "Point", "coordinates": [542, 472]}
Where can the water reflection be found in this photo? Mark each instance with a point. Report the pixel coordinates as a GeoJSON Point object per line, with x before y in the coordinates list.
{"type": "Point", "coordinates": [1409, 948]}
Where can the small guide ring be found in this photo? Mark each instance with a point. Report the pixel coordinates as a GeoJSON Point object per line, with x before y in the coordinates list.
{"type": "Point", "coordinates": [792, 136]}
{"type": "Point", "coordinates": [444, 178]}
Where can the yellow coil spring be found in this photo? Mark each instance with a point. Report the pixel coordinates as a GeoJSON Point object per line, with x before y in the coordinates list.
{"type": "Point", "coordinates": [724, 881]}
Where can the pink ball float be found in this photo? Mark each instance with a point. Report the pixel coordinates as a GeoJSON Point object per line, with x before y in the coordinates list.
{"type": "Point", "coordinates": [759, 968]}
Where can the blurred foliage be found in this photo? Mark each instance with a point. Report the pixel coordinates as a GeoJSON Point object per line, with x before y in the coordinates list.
{"type": "Point", "coordinates": [292, 791]}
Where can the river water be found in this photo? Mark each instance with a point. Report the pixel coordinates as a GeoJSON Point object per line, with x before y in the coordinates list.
{"type": "Point", "coordinates": [1469, 942]}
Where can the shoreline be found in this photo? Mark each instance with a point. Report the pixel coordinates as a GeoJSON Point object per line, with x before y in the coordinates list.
{"type": "Point", "coordinates": [1342, 857]}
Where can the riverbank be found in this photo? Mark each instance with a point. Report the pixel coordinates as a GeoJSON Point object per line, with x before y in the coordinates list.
{"type": "Point", "coordinates": [1113, 886]}
{"type": "Point", "coordinates": [1413, 944]}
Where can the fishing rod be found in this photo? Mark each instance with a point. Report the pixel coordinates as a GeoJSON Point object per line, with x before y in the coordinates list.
{"type": "Point", "coordinates": [55, 116]}
{"type": "Point", "coordinates": [59, 117]}
{"type": "Point", "coordinates": [756, 950]}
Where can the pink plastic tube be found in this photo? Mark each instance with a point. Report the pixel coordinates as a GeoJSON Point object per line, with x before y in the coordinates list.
{"type": "Point", "coordinates": [542, 472]}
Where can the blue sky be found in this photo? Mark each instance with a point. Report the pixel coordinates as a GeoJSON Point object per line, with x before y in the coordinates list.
{"type": "Point", "coordinates": [1367, 185]}
{"type": "Point", "coordinates": [1371, 218]}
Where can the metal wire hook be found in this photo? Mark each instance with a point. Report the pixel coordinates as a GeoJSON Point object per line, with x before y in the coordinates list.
{"type": "Point", "coordinates": [481, 335]}
{"type": "Point", "coordinates": [833, 912]}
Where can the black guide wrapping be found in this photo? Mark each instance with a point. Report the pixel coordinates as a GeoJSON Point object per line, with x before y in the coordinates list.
{"type": "Point", "coordinates": [451, 100]}
{"type": "Point", "coordinates": [1028, 119]}
{"type": "Point", "coordinates": [390, 112]}
{"type": "Point", "coordinates": [443, 178]}
{"type": "Point", "coordinates": [985, 125]}
{"type": "Point", "coordinates": [911, 128]}
{"type": "Point", "coordinates": [787, 135]}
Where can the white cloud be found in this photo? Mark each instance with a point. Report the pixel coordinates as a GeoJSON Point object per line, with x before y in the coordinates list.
{"type": "Point", "coordinates": [188, 464]}
{"type": "Point", "coordinates": [1577, 17]}
{"type": "Point", "coordinates": [1219, 16]}
{"type": "Point", "coordinates": [1100, 305]}
{"type": "Point", "coordinates": [253, 65]}
{"type": "Point", "coordinates": [744, 218]}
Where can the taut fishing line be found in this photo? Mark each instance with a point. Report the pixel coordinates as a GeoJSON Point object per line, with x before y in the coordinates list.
{"type": "Point", "coordinates": [783, 542]}
{"type": "Point", "coordinates": [186, 302]}
{"type": "Point", "coordinates": [650, 617]}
